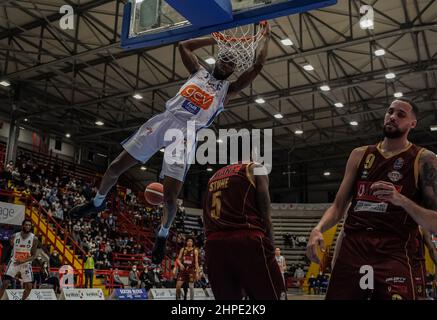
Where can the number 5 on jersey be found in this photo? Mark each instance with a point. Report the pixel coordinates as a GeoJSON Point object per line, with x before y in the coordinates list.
{"type": "Point", "coordinates": [216, 205]}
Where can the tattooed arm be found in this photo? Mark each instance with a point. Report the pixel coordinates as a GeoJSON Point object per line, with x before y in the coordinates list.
{"type": "Point", "coordinates": [426, 216]}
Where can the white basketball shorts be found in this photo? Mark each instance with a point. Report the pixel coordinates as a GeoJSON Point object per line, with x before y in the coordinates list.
{"type": "Point", "coordinates": [149, 139]}
{"type": "Point", "coordinates": [25, 269]}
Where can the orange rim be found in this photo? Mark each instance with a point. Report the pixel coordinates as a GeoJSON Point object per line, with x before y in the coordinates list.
{"type": "Point", "coordinates": [222, 37]}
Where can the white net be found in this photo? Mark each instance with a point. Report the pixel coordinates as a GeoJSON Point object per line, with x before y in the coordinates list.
{"type": "Point", "coordinates": [238, 45]}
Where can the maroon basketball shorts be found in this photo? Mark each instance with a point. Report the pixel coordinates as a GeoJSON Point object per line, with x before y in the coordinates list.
{"type": "Point", "coordinates": [374, 265]}
{"type": "Point", "coordinates": [186, 275]}
{"type": "Point", "coordinates": [419, 274]}
{"type": "Point", "coordinates": [242, 264]}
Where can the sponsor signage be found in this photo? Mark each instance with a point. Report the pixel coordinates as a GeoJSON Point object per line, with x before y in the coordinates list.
{"type": "Point", "coordinates": [11, 213]}
{"type": "Point", "coordinates": [35, 294]}
{"type": "Point", "coordinates": [130, 294]}
{"type": "Point", "coordinates": [82, 294]}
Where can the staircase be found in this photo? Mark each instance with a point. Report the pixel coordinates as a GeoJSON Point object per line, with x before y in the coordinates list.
{"type": "Point", "coordinates": [125, 224]}
{"type": "Point", "coordinates": [49, 231]}
{"type": "Point", "coordinates": [145, 236]}
{"type": "Point", "coordinates": [298, 226]}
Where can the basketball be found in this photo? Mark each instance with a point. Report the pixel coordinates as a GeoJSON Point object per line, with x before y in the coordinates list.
{"type": "Point", "coordinates": [154, 193]}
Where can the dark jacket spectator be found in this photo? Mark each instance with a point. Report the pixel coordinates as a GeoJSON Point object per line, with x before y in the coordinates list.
{"type": "Point", "coordinates": [55, 261]}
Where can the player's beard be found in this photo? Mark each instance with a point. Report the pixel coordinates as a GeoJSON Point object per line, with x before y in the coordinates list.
{"type": "Point", "coordinates": [392, 134]}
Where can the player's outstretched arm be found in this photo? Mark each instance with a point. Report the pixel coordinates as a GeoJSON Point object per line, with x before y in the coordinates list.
{"type": "Point", "coordinates": [339, 207]}
{"type": "Point", "coordinates": [250, 74]}
{"type": "Point", "coordinates": [186, 49]}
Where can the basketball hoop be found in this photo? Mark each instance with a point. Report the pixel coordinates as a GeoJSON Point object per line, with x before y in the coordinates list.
{"type": "Point", "coordinates": [238, 45]}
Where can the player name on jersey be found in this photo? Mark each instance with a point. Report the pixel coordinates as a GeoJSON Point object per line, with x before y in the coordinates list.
{"type": "Point", "coordinates": [219, 184]}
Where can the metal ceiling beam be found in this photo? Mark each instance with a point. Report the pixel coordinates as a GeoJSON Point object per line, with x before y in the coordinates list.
{"type": "Point", "coordinates": [354, 42]}
{"type": "Point", "coordinates": [51, 18]}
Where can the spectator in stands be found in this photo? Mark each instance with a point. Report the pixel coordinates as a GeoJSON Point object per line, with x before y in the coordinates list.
{"type": "Point", "coordinates": [301, 241]}
{"type": "Point", "coordinates": [10, 166]}
{"type": "Point", "coordinates": [43, 202]}
{"type": "Point", "coordinates": [312, 284]}
{"type": "Point", "coordinates": [292, 269]}
{"type": "Point", "coordinates": [16, 175]}
{"type": "Point", "coordinates": [299, 273]}
{"type": "Point", "coordinates": [37, 265]}
{"type": "Point", "coordinates": [89, 270]}
{"type": "Point", "coordinates": [319, 282]}
{"type": "Point", "coordinates": [28, 181]}
{"type": "Point", "coordinates": [134, 280]}
{"type": "Point", "coordinates": [111, 220]}
{"type": "Point", "coordinates": [147, 278]}
{"type": "Point", "coordinates": [47, 278]}
{"type": "Point", "coordinates": [117, 280]}
{"type": "Point", "coordinates": [55, 261]}
{"type": "Point", "coordinates": [281, 262]}
{"type": "Point", "coordinates": [76, 233]}
{"type": "Point", "coordinates": [157, 277]}
{"type": "Point", "coordinates": [324, 283]}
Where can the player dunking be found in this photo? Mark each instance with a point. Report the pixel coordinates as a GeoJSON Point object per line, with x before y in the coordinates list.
{"type": "Point", "coordinates": [24, 246]}
{"type": "Point", "coordinates": [200, 99]}
{"type": "Point", "coordinates": [188, 262]}
{"type": "Point", "coordinates": [240, 256]}
{"type": "Point", "coordinates": [392, 188]}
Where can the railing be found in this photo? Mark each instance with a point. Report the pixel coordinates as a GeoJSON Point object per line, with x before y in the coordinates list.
{"type": "Point", "coordinates": [141, 234]}
{"type": "Point", "coordinates": [145, 236]}
{"type": "Point", "coordinates": [166, 265]}
{"type": "Point", "coordinates": [79, 172]}
{"type": "Point", "coordinates": [135, 258]}
{"type": "Point", "coordinates": [52, 231]}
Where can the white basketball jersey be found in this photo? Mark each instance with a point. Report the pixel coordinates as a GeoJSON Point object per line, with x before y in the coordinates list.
{"type": "Point", "coordinates": [200, 99]}
{"type": "Point", "coordinates": [22, 247]}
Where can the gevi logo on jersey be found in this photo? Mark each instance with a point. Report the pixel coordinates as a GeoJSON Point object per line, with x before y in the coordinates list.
{"type": "Point", "coordinates": [197, 96]}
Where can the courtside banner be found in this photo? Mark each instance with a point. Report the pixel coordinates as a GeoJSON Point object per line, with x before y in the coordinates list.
{"type": "Point", "coordinates": [82, 294]}
{"type": "Point", "coordinates": [11, 213]}
{"type": "Point", "coordinates": [35, 294]}
{"type": "Point", "coordinates": [199, 294]}
{"type": "Point", "coordinates": [162, 294]}
{"type": "Point", "coordinates": [210, 294]}
{"type": "Point", "coordinates": [130, 294]}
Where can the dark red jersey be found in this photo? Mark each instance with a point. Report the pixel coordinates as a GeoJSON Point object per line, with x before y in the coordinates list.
{"type": "Point", "coordinates": [230, 202]}
{"type": "Point", "coordinates": [188, 259]}
{"type": "Point", "coordinates": [369, 212]}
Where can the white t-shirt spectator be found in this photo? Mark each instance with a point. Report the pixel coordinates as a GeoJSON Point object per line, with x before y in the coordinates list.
{"type": "Point", "coordinates": [281, 263]}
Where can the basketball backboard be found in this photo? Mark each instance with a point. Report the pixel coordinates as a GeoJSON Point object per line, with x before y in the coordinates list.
{"type": "Point", "coordinates": [149, 23]}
